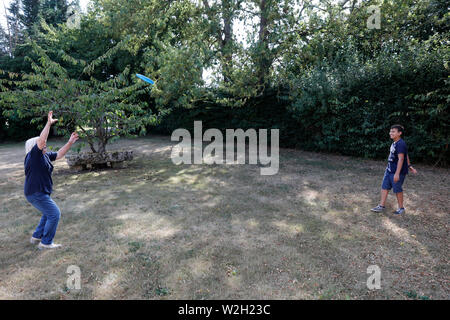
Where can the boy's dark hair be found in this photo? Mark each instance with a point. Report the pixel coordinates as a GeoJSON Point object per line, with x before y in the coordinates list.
{"type": "Point", "coordinates": [398, 127]}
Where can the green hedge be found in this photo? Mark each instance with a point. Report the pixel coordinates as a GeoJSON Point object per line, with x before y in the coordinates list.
{"type": "Point", "coordinates": [347, 106]}
{"type": "Point", "coordinates": [14, 128]}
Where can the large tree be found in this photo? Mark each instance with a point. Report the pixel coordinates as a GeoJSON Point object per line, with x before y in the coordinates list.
{"type": "Point", "coordinates": [30, 13]}
{"type": "Point", "coordinates": [220, 20]}
{"type": "Point", "coordinates": [14, 26]}
{"type": "Point", "coordinates": [82, 91]}
{"type": "Point", "coordinates": [55, 11]}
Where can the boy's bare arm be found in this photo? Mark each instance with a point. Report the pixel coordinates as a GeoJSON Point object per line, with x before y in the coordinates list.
{"type": "Point", "coordinates": [410, 166]}
{"type": "Point", "coordinates": [401, 159]}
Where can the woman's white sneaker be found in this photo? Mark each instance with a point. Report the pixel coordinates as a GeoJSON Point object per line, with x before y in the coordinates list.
{"type": "Point", "coordinates": [48, 246]}
{"type": "Point", "coordinates": [34, 240]}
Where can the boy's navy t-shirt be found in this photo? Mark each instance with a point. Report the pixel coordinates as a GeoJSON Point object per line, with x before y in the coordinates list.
{"type": "Point", "coordinates": [396, 148]}
{"type": "Point", "coordinates": [38, 171]}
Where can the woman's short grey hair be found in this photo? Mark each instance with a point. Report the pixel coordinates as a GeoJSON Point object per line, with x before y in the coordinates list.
{"type": "Point", "coordinates": [30, 144]}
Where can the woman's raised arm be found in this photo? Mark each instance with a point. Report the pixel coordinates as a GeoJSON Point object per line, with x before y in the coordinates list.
{"type": "Point", "coordinates": [61, 152]}
{"type": "Point", "coordinates": [44, 134]}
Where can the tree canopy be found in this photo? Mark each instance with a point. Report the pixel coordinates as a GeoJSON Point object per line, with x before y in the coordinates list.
{"type": "Point", "coordinates": [314, 69]}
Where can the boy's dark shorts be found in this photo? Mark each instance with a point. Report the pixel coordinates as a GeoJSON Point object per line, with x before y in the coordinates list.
{"type": "Point", "coordinates": [388, 182]}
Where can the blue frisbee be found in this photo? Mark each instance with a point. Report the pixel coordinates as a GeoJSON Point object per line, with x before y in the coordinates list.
{"type": "Point", "coordinates": [140, 76]}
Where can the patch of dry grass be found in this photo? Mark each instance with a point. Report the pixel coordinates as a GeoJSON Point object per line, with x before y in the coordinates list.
{"type": "Point", "coordinates": [155, 230]}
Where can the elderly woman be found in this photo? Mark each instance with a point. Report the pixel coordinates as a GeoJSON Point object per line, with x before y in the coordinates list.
{"type": "Point", "coordinates": [38, 183]}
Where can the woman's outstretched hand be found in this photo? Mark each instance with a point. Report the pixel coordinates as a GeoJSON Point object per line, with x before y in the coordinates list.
{"type": "Point", "coordinates": [73, 137]}
{"type": "Point", "coordinates": [50, 118]}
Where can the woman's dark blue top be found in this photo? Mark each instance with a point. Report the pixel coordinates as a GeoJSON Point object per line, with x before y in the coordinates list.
{"type": "Point", "coordinates": [38, 171]}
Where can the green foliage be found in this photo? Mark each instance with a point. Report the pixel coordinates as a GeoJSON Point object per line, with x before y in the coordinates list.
{"type": "Point", "coordinates": [252, 114]}
{"type": "Point", "coordinates": [102, 109]}
{"type": "Point", "coordinates": [413, 295]}
{"type": "Point", "coordinates": [134, 246]}
{"type": "Point", "coordinates": [347, 105]}
{"type": "Point", "coordinates": [179, 77]}
{"type": "Point", "coordinates": [16, 128]}
{"type": "Point", "coordinates": [54, 11]}
{"type": "Point", "coordinates": [310, 68]}
{"type": "Point", "coordinates": [30, 9]}
{"type": "Point", "coordinates": [162, 291]}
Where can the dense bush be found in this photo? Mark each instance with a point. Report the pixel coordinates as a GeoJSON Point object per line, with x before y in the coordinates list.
{"type": "Point", "coordinates": [14, 128]}
{"type": "Point", "coordinates": [347, 105]}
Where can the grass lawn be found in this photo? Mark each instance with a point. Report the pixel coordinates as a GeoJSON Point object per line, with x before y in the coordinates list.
{"type": "Point", "coordinates": [155, 230]}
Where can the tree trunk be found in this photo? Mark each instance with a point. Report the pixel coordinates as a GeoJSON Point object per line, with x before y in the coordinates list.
{"type": "Point", "coordinates": [101, 135]}
{"type": "Point", "coordinates": [101, 147]}
{"type": "Point", "coordinates": [263, 54]}
{"type": "Point", "coordinates": [224, 36]}
{"type": "Point", "coordinates": [226, 43]}
{"type": "Point", "coordinates": [91, 145]}
{"type": "Point", "coordinates": [9, 31]}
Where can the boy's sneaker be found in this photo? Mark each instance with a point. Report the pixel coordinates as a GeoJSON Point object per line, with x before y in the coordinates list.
{"type": "Point", "coordinates": [48, 246]}
{"type": "Point", "coordinates": [399, 211]}
{"type": "Point", "coordinates": [378, 208]}
{"type": "Point", "coordinates": [34, 240]}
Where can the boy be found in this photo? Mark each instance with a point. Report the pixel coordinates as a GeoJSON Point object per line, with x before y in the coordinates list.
{"type": "Point", "coordinates": [396, 170]}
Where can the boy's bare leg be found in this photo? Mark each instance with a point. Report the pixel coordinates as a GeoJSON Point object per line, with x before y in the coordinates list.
{"type": "Point", "coordinates": [384, 194]}
{"type": "Point", "coordinates": [400, 199]}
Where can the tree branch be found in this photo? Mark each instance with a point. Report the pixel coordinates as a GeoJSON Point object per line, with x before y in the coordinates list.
{"type": "Point", "coordinates": [91, 144]}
